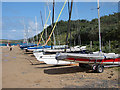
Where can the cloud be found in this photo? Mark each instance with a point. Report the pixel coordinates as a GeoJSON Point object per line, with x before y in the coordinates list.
{"type": "Point", "coordinates": [13, 30]}
{"type": "Point", "coordinates": [32, 24]}
{"type": "Point", "coordinates": [46, 26]}
{"type": "Point", "coordinates": [14, 26]}
{"type": "Point", "coordinates": [8, 23]}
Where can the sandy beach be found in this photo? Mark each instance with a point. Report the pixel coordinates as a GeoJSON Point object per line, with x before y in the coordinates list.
{"type": "Point", "coordinates": [22, 70]}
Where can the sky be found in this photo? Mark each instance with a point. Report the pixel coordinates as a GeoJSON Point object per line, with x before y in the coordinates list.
{"type": "Point", "coordinates": [19, 17]}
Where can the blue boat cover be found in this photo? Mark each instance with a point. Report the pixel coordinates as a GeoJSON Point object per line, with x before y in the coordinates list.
{"type": "Point", "coordinates": [39, 47]}
{"type": "Point", "coordinates": [25, 46]}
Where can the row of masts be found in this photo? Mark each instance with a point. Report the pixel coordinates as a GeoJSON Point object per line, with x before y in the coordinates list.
{"type": "Point", "coordinates": [52, 23]}
{"type": "Point", "coordinates": [36, 26]}
{"type": "Point", "coordinates": [68, 29]}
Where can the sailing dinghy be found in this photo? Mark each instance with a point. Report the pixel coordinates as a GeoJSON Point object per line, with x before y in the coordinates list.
{"type": "Point", "coordinates": [99, 60]}
{"type": "Point", "coordinates": [48, 55]}
{"type": "Point", "coordinates": [103, 58]}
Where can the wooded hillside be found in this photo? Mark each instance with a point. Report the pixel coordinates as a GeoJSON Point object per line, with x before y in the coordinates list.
{"type": "Point", "coordinates": [84, 31]}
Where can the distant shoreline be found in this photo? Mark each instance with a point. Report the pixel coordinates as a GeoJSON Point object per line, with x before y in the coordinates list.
{"type": "Point", "coordinates": [9, 41]}
{"type": "Point", "coordinates": [12, 44]}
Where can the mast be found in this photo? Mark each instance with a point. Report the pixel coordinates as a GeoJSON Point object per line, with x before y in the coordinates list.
{"type": "Point", "coordinates": [45, 27]}
{"type": "Point", "coordinates": [32, 34]}
{"type": "Point", "coordinates": [28, 35]}
{"type": "Point", "coordinates": [33, 37]}
{"type": "Point", "coordinates": [25, 35]}
{"type": "Point", "coordinates": [70, 19]}
{"type": "Point", "coordinates": [99, 28]}
{"type": "Point", "coordinates": [54, 38]}
{"type": "Point", "coordinates": [55, 23]}
{"type": "Point", "coordinates": [41, 19]}
{"type": "Point", "coordinates": [42, 25]}
{"type": "Point", "coordinates": [36, 29]}
{"type": "Point", "coordinates": [54, 32]}
{"type": "Point", "coordinates": [52, 25]}
{"type": "Point", "coordinates": [68, 30]}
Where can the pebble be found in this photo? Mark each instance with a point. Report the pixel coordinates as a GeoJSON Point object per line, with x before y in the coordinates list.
{"type": "Point", "coordinates": [48, 81]}
{"type": "Point", "coordinates": [23, 72]}
{"type": "Point", "coordinates": [37, 84]}
{"type": "Point", "coordinates": [109, 77]}
{"type": "Point", "coordinates": [112, 74]}
{"type": "Point", "coordinates": [62, 80]}
{"type": "Point", "coordinates": [83, 76]}
{"type": "Point", "coordinates": [111, 71]}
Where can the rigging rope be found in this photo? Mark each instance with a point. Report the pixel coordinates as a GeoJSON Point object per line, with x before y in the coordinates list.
{"type": "Point", "coordinates": [44, 27]}
{"type": "Point", "coordinates": [55, 23]}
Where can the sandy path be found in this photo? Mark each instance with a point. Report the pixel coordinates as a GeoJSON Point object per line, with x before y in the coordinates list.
{"type": "Point", "coordinates": [18, 72]}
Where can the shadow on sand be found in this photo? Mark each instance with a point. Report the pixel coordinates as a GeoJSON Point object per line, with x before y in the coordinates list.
{"type": "Point", "coordinates": [51, 66]}
{"type": "Point", "coordinates": [28, 53]}
{"type": "Point", "coordinates": [67, 70]}
{"type": "Point", "coordinates": [32, 55]}
{"type": "Point", "coordinates": [39, 64]}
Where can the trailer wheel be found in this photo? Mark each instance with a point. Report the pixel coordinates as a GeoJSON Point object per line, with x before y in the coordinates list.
{"type": "Point", "coordinates": [99, 68]}
{"type": "Point", "coordinates": [93, 67]}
